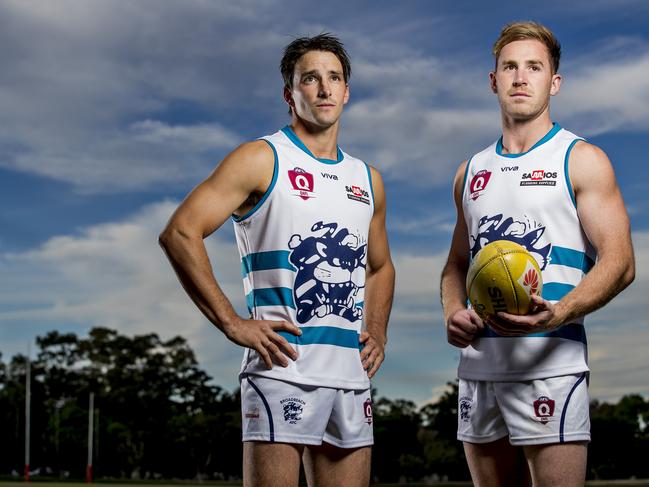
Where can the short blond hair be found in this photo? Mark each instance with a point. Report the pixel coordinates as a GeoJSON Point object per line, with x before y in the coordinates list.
{"type": "Point", "coordinates": [518, 31]}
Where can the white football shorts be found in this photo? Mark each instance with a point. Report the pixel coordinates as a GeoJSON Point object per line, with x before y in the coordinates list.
{"type": "Point", "coordinates": [276, 411]}
{"type": "Point", "coordinates": [535, 412]}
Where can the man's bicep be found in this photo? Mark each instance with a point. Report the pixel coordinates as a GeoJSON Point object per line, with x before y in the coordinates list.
{"type": "Point", "coordinates": [378, 248]}
{"type": "Point", "coordinates": [244, 171]}
{"type": "Point", "coordinates": [600, 206]}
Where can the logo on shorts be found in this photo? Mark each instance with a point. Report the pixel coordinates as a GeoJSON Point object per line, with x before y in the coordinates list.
{"type": "Point", "coordinates": [252, 413]}
{"type": "Point", "coordinates": [367, 410]}
{"type": "Point", "coordinates": [544, 409]}
{"type": "Point", "coordinates": [466, 403]}
{"type": "Point", "coordinates": [293, 408]}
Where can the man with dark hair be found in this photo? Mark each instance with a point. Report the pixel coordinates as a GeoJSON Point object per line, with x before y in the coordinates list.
{"type": "Point", "coordinates": [310, 227]}
{"type": "Point", "coordinates": [523, 389]}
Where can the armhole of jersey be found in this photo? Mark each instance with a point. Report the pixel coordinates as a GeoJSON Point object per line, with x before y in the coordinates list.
{"type": "Point", "coordinates": [466, 174]}
{"type": "Point", "coordinates": [369, 178]}
{"type": "Point", "coordinates": [268, 191]}
{"type": "Point", "coordinates": [567, 172]}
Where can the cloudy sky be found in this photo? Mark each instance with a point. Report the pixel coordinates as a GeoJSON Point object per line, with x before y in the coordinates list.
{"type": "Point", "coordinates": [111, 111]}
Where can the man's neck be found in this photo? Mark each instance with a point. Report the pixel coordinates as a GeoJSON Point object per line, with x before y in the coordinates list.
{"type": "Point", "coordinates": [519, 136]}
{"type": "Point", "coordinates": [323, 143]}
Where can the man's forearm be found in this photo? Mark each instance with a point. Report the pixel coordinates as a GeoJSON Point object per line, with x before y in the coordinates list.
{"type": "Point", "coordinates": [604, 281]}
{"type": "Point", "coordinates": [453, 289]}
{"type": "Point", "coordinates": [379, 292]}
{"type": "Point", "coordinates": [191, 263]}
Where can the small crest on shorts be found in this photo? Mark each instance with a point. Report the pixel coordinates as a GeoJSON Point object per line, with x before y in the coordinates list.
{"type": "Point", "coordinates": [466, 403]}
{"type": "Point", "coordinates": [252, 413]}
{"type": "Point", "coordinates": [292, 407]}
{"type": "Point", "coordinates": [544, 409]}
{"type": "Point", "coordinates": [367, 410]}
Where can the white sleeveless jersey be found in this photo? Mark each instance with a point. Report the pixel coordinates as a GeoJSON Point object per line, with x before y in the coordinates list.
{"type": "Point", "coordinates": [303, 252]}
{"type": "Point", "coordinates": [527, 198]}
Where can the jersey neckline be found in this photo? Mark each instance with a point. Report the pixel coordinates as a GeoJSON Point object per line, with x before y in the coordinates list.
{"type": "Point", "coordinates": [288, 131]}
{"type": "Point", "coordinates": [553, 131]}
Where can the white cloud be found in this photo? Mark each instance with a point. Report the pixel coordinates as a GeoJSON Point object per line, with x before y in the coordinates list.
{"type": "Point", "coordinates": [115, 275]}
{"type": "Point", "coordinates": [608, 96]}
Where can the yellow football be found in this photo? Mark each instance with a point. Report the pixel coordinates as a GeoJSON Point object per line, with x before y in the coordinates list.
{"type": "Point", "coordinates": [502, 277]}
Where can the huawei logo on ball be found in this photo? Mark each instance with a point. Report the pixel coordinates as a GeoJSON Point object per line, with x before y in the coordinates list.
{"type": "Point", "coordinates": [531, 280]}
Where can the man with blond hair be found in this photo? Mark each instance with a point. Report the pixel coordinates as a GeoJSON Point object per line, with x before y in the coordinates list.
{"type": "Point", "coordinates": [523, 394]}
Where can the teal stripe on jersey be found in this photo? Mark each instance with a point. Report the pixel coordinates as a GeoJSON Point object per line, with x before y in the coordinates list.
{"type": "Point", "coordinates": [571, 331]}
{"type": "Point", "coordinates": [324, 335]}
{"type": "Point", "coordinates": [270, 296]}
{"type": "Point", "coordinates": [263, 261]}
{"type": "Point", "coordinates": [571, 258]}
{"type": "Point", "coordinates": [554, 291]}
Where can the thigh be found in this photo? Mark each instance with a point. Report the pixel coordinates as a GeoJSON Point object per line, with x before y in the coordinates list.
{"type": "Point", "coordinates": [283, 412]}
{"type": "Point", "coordinates": [497, 464]}
{"type": "Point", "coordinates": [271, 464]}
{"type": "Point", "coordinates": [546, 411]}
{"type": "Point", "coordinates": [558, 465]}
{"type": "Point", "coordinates": [327, 465]}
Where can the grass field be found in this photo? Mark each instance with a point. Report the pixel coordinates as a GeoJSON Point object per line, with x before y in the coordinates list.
{"type": "Point", "coordinates": [594, 483]}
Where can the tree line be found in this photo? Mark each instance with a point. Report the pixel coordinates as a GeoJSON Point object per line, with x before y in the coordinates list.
{"type": "Point", "coordinates": [158, 415]}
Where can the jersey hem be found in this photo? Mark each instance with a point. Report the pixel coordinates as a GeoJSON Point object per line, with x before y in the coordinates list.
{"type": "Point", "coordinates": [520, 376]}
{"type": "Point", "coordinates": [306, 381]}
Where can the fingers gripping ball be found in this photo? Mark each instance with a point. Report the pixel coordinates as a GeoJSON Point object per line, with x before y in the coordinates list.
{"type": "Point", "coordinates": [502, 277]}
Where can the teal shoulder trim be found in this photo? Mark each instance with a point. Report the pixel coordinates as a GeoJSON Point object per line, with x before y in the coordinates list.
{"type": "Point", "coordinates": [553, 131]}
{"type": "Point", "coordinates": [567, 172]}
{"type": "Point", "coordinates": [288, 131]}
{"type": "Point", "coordinates": [369, 177]}
{"type": "Point", "coordinates": [268, 191]}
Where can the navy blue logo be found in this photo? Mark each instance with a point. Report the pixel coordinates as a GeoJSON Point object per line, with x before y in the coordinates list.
{"type": "Point", "coordinates": [525, 233]}
{"type": "Point", "coordinates": [292, 407]}
{"type": "Point", "coordinates": [324, 282]}
{"type": "Point", "coordinates": [465, 408]}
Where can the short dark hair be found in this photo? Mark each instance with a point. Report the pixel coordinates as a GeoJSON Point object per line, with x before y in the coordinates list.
{"type": "Point", "coordinates": [519, 31]}
{"type": "Point", "coordinates": [299, 47]}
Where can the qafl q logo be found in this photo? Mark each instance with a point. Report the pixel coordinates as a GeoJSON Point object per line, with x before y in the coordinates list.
{"type": "Point", "coordinates": [479, 183]}
{"type": "Point", "coordinates": [544, 409]}
{"type": "Point", "coordinates": [302, 183]}
{"type": "Point", "coordinates": [367, 410]}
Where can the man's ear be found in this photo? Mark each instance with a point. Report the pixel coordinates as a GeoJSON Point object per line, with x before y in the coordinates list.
{"type": "Point", "coordinates": [492, 82]}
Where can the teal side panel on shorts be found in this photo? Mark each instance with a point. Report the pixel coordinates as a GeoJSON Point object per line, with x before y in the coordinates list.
{"type": "Point", "coordinates": [324, 335]}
